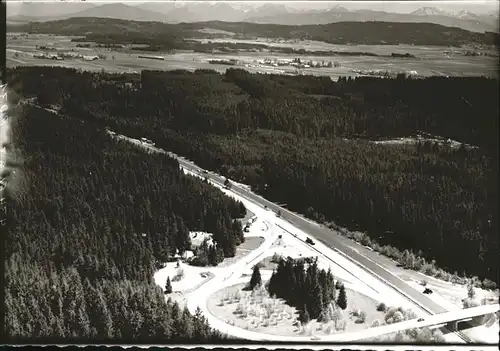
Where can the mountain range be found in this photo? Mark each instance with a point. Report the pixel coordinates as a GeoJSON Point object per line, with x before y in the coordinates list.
{"type": "Point", "coordinates": [173, 12]}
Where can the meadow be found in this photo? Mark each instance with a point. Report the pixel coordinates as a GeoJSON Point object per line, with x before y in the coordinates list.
{"type": "Point", "coordinates": [428, 61]}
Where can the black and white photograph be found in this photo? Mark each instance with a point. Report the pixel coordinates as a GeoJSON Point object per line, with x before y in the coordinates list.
{"type": "Point", "coordinates": [250, 173]}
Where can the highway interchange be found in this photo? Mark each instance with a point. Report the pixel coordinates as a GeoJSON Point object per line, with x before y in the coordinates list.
{"type": "Point", "coordinates": [332, 240]}
{"type": "Point", "coordinates": [341, 245]}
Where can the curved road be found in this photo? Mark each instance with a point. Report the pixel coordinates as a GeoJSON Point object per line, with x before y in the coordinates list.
{"type": "Point", "coordinates": [332, 240]}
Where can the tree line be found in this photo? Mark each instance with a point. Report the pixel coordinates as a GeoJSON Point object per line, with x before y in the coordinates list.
{"type": "Point", "coordinates": [89, 220]}
{"type": "Point", "coordinates": [156, 34]}
{"type": "Point", "coordinates": [305, 141]}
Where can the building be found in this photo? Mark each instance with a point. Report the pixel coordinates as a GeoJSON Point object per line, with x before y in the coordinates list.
{"type": "Point", "coordinates": [161, 58]}
{"type": "Point", "coordinates": [90, 58]}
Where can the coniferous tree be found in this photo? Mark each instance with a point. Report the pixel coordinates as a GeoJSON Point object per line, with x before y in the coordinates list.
{"type": "Point", "coordinates": [304, 316]}
{"type": "Point", "coordinates": [256, 279]}
{"type": "Point", "coordinates": [342, 299]}
{"type": "Point", "coordinates": [168, 286]}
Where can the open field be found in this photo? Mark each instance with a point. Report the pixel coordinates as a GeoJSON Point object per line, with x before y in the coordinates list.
{"type": "Point", "coordinates": [260, 313]}
{"type": "Point", "coordinates": [425, 52]}
{"type": "Point", "coordinates": [429, 61]}
{"type": "Point", "coordinates": [250, 244]}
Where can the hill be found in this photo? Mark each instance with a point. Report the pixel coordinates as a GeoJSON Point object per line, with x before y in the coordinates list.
{"type": "Point", "coordinates": [173, 12]}
{"type": "Point", "coordinates": [156, 33]}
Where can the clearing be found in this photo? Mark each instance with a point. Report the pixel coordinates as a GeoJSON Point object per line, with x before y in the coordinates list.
{"type": "Point", "coordinates": [184, 278]}
{"type": "Point", "coordinates": [250, 244]}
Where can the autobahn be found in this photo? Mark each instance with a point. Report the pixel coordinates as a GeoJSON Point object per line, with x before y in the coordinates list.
{"type": "Point", "coordinates": [328, 237]}
{"type": "Point", "coordinates": [331, 239]}
{"type": "Point", "coordinates": [325, 235]}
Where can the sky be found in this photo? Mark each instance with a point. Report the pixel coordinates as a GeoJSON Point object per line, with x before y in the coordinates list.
{"type": "Point", "coordinates": [475, 6]}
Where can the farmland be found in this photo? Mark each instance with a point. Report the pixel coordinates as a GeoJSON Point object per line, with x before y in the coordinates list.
{"type": "Point", "coordinates": [428, 61]}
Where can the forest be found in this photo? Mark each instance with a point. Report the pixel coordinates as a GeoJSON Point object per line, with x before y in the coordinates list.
{"type": "Point", "coordinates": [306, 141]}
{"type": "Point", "coordinates": [170, 36]}
{"type": "Point", "coordinates": [90, 219]}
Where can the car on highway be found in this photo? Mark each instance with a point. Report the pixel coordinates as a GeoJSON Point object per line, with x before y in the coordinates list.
{"type": "Point", "coordinates": [427, 291]}
{"type": "Point", "coordinates": [420, 320]}
{"type": "Point", "coordinates": [310, 241]}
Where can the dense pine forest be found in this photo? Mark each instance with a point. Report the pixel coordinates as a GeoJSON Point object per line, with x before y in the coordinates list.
{"type": "Point", "coordinates": [305, 141]}
{"type": "Point", "coordinates": [89, 220]}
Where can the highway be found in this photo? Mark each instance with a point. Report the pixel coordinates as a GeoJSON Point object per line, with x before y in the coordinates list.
{"type": "Point", "coordinates": [328, 237]}
{"type": "Point", "coordinates": [331, 239]}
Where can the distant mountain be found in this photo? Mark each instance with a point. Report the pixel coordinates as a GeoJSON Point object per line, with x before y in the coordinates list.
{"type": "Point", "coordinates": [465, 15]}
{"type": "Point", "coordinates": [47, 9]}
{"type": "Point", "coordinates": [423, 15]}
{"type": "Point", "coordinates": [68, 10]}
{"type": "Point", "coordinates": [201, 12]}
{"type": "Point", "coordinates": [268, 9]}
{"type": "Point", "coordinates": [268, 13]}
{"type": "Point", "coordinates": [429, 11]}
{"type": "Point", "coordinates": [121, 11]}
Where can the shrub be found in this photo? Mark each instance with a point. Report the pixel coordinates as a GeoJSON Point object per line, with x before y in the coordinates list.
{"type": "Point", "coordinates": [471, 293]}
{"type": "Point", "coordinates": [329, 329]}
{"type": "Point", "coordinates": [469, 303]}
{"type": "Point", "coordinates": [401, 337]}
{"type": "Point", "coordinates": [424, 335]}
{"type": "Point", "coordinates": [489, 284]}
{"type": "Point", "coordinates": [440, 274]}
{"type": "Point", "coordinates": [239, 309]}
{"type": "Point", "coordinates": [381, 307]}
{"type": "Point", "coordinates": [455, 278]}
{"type": "Point", "coordinates": [362, 318]}
{"type": "Point", "coordinates": [178, 275]}
{"type": "Point", "coordinates": [358, 236]}
{"type": "Point", "coordinates": [260, 265]}
{"type": "Point", "coordinates": [398, 317]}
{"type": "Point", "coordinates": [438, 336]}
{"type": "Point", "coordinates": [429, 268]}
{"type": "Point", "coordinates": [276, 258]}
{"type": "Point", "coordinates": [409, 314]}
{"type": "Point", "coordinates": [375, 323]}
{"type": "Point", "coordinates": [365, 240]}
{"type": "Point", "coordinates": [390, 313]}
